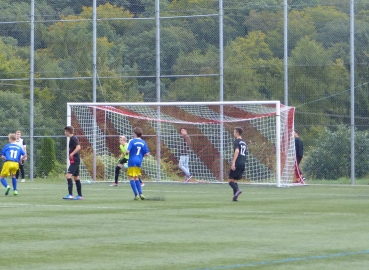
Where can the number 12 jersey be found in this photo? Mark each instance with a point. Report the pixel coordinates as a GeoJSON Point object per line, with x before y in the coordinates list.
{"type": "Point", "coordinates": [241, 158]}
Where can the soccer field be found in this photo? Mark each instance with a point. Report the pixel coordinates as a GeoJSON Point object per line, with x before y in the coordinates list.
{"type": "Point", "coordinates": [197, 226]}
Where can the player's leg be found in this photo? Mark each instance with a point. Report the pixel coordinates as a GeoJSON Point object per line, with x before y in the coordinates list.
{"type": "Point", "coordinates": [21, 169]}
{"type": "Point", "coordinates": [186, 161]}
{"type": "Point", "coordinates": [79, 187]}
{"type": "Point", "coordinates": [234, 176]}
{"type": "Point", "coordinates": [70, 172]}
{"type": "Point", "coordinates": [4, 173]}
{"type": "Point", "coordinates": [117, 172]}
{"type": "Point", "coordinates": [138, 185]}
{"type": "Point", "coordinates": [131, 172]}
{"type": "Point", "coordinates": [13, 171]}
{"type": "Point", "coordinates": [181, 165]}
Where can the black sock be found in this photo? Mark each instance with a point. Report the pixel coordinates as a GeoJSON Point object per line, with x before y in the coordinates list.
{"type": "Point", "coordinates": [117, 170]}
{"type": "Point", "coordinates": [234, 187]}
{"type": "Point", "coordinates": [70, 186]}
{"type": "Point", "coordinates": [79, 187]}
{"type": "Point", "coordinates": [140, 180]}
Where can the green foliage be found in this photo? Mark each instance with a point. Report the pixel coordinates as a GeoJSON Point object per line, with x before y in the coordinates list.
{"type": "Point", "coordinates": [330, 159]}
{"type": "Point", "coordinates": [46, 157]}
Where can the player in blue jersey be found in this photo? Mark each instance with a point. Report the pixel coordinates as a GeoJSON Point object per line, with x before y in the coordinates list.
{"type": "Point", "coordinates": [137, 149]}
{"type": "Point", "coordinates": [12, 154]}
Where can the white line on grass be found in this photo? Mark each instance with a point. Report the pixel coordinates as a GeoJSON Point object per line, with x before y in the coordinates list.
{"type": "Point", "coordinates": [221, 192]}
{"type": "Point", "coordinates": [75, 206]}
{"type": "Point", "coordinates": [13, 205]}
{"type": "Point", "coordinates": [289, 260]}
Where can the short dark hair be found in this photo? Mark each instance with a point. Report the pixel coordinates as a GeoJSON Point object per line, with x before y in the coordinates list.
{"type": "Point", "coordinates": [239, 130]}
{"type": "Point", "coordinates": [183, 128]}
{"type": "Point", "coordinates": [70, 129]}
{"type": "Point", "coordinates": [296, 131]}
{"type": "Point", "coordinates": [137, 131]}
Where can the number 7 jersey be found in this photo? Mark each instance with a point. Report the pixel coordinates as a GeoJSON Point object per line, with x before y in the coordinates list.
{"type": "Point", "coordinates": [137, 149]}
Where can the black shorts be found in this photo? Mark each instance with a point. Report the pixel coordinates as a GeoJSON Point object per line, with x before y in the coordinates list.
{"type": "Point", "coordinates": [236, 174]}
{"type": "Point", "coordinates": [73, 169]}
{"type": "Point", "coordinates": [123, 160]}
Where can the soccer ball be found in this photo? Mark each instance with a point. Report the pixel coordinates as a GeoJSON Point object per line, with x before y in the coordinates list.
{"type": "Point", "coordinates": [125, 165]}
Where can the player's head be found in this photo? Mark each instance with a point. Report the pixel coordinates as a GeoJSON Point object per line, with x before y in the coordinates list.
{"type": "Point", "coordinates": [237, 132]}
{"type": "Point", "coordinates": [122, 139]}
{"type": "Point", "coordinates": [296, 133]}
{"type": "Point", "coordinates": [12, 137]}
{"type": "Point", "coordinates": [18, 134]}
{"type": "Point", "coordinates": [68, 130]}
{"type": "Point", "coordinates": [183, 131]}
{"type": "Point", "coordinates": [137, 132]}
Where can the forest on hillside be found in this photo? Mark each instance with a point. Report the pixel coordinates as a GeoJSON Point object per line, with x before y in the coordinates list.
{"type": "Point", "coordinates": [318, 52]}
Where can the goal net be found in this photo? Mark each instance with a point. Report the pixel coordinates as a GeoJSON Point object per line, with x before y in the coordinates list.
{"type": "Point", "coordinates": [267, 130]}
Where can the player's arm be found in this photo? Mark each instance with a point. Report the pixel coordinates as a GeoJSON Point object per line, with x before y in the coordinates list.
{"type": "Point", "coordinates": [75, 151]}
{"type": "Point", "coordinates": [235, 155]}
{"type": "Point", "coordinates": [25, 151]}
{"type": "Point", "coordinates": [24, 155]}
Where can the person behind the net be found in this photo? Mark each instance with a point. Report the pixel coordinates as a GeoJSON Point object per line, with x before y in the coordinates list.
{"type": "Point", "coordinates": [122, 160]}
{"type": "Point", "coordinates": [184, 154]}
{"type": "Point", "coordinates": [22, 144]}
{"type": "Point", "coordinates": [74, 161]}
{"type": "Point", "coordinates": [299, 148]}
{"type": "Point", "coordinates": [12, 154]}
{"type": "Point", "coordinates": [238, 162]}
{"type": "Point", "coordinates": [137, 150]}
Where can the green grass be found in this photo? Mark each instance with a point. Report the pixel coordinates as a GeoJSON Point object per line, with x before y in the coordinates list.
{"type": "Point", "coordinates": [196, 227]}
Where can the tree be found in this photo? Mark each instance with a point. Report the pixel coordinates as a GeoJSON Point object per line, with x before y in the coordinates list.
{"type": "Point", "coordinates": [46, 157]}
{"type": "Point", "coordinates": [252, 72]}
{"type": "Point", "coordinates": [315, 76]}
{"type": "Point", "coordinates": [16, 115]}
{"type": "Point", "coordinates": [330, 159]}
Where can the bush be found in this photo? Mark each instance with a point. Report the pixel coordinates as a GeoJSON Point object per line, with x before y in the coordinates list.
{"type": "Point", "coordinates": [47, 158]}
{"type": "Point", "coordinates": [331, 158]}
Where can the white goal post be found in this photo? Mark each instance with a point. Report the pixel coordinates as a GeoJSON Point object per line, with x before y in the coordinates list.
{"type": "Point", "coordinates": [268, 131]}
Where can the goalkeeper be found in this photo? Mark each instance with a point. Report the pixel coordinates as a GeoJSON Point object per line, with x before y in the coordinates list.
{"type": "Point", "coordinates": [122, 160]}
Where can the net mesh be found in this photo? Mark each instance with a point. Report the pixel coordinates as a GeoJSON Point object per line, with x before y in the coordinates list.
{"type": "Point", "coordinates": [211, 134]}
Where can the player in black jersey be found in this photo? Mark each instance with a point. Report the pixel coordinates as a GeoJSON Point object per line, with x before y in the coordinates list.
{"type": "Point", "coordinates": [73, 169]}
{"type": "Point", "coordinates": [238, 162]}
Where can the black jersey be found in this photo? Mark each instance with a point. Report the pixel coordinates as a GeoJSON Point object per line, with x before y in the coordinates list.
{"type": "Point", "coordinates": [73, 142]}
{"type": "Point", "coordinates": [241, 158]}
{"type": "Point", "coordinates": [299, 147]}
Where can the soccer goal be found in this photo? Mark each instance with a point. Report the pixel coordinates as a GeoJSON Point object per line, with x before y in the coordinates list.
{"type": "Point", "coordinates": [268, 132]}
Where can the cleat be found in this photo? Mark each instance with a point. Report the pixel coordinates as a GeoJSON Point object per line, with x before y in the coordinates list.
{"type": "Point", "coordinates": [114, 185]}
{"type": "Point", "coordinates": [142, 184]}
{"type": "Point", "coordinates": [68, 197]}
{"type": "Point", "coordinates": [77, 198]}
{"type": "Point", "coordinates": [15, 193]}
{"type": "Point", "coordinates": [142, 197]}
{"type": "Point", "coordinates": [23, 181]}
{"type": "Point", "coordinates": [238, 192]}
{"type": "Point", "coordinates": [235, 200]}
{"type": "Point", "coordinates": [137, 198]}
{"type": "Point", "coordinates": [7, 190]}
{"type": "Point", "coordinates": [188, 179]}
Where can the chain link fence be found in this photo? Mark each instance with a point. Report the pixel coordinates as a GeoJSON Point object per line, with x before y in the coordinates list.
{"type": "Point", "coordinates": [318, 63]}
